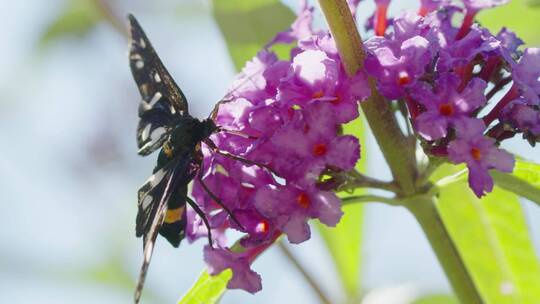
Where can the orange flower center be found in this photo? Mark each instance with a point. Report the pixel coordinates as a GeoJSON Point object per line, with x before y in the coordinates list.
{"type": "Point", "coordinates": [336, 100]}
{"type": "Point", "coordinates": [303, 200]}
{"type": "Point", "coordinates": [446, 109]}
{"type": "Point", "coordinates": [403, 78]}
{"type": "Point", "coordinates": [476, 154]}
{"type": "Point", "coordinates": [318, 94]}
{"type": "Point", "coordinates": [262, 227]}
{"type": "Point", "coordinates": [319, 149]}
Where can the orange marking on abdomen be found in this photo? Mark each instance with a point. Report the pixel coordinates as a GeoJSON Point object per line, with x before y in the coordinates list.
{"type": "Point", "coordinates": [174, 215]}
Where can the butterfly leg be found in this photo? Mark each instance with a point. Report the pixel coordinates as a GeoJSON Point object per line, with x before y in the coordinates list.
{"type": "Point", "coordinates": [216, 199]}
{"type": "Point", "coordinates": [236, 132]}
{"type": "Point", "coordinates": [203, 217]}
{"type": "Point", "coordinates": [246, 161]}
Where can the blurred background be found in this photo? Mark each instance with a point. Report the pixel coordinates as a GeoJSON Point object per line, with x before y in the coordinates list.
{"type": "Point", "coordinates": [70, 171]}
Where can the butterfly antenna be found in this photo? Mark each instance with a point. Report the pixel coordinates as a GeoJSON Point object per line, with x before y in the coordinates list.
{"type": "Point", "coordinates": [228, 97]}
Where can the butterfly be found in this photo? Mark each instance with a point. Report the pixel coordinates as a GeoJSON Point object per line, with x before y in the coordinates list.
{"type": "Point", "coordinates": [165, 124]}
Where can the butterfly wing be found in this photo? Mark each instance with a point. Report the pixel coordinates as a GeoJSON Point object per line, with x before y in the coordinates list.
{"type": "Point", "coordinates": [151, 234]}
{"type": "Point", "coordinates": [152, 193]}
{"type": "Point", "coordinates": [162, 209]}
{"type": "Point", "coordinates": [162, 100]}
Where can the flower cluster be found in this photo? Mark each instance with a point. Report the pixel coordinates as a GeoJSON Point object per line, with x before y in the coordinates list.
{"type": "Point", "coordinates": [443, 73]}
{"type": "Point", "coordinates": [285, 117]}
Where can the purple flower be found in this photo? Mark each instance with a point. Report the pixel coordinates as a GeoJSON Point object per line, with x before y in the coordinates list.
{"type": "Point", "coordinates": [408, 25]}
{"type": "Point", "coordinates": [243, 277]}
{"type": "Point", "coordinates": [476, 5]}
{"type": "Point", "coordinates": [509, 44]}
{"type": "Point", "coordinates": [292, 207]}
{"type": "Point", "coordinates": [526, 75]}
{"type": "Point", "coordinates": [301, 149]}
{"type": "Point", "coordinates": [522, 117]}
{"type": "Point", "coordinates": [441, 26]}
{"type": "Point", "coordinates": [301, 27]}
{"type": "Point", "coordinates": [320, 42]}
{"type": "Point", "coordinates": [446, 106]}
{"type": "Point", "coordinates": [427, 6]}
{"type": "Point", "coordinates": [480, 154]}
{"type": "Point", "coordinates": [396, 67]}
{"type": "Point", "coordinates": [259, 78]}
{"type": "Point", "coordinates": [457, 53]}
{"type": "Point", "coordinates": [316, 76]}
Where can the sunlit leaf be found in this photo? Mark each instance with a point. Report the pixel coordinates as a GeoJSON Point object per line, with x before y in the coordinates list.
{"type": "Point", "coordinates": [534, 3]}
{"type": "Point", "coordinates": [249, 25]}
{"type": "Point", "coordinates": [436, 299]}
{"type": "Point", "coordinates": [492, 238]}
{"type": "Point", "coordinates": [75, 20]}
{"type": "Point", "coordinates": [208, 289]}
{"type": "Point", "coordinates": [344, 241]}
{"type": "Point", "coordinates": [520, 16]}
{"type": "Point", "coordinates": [524, 180]}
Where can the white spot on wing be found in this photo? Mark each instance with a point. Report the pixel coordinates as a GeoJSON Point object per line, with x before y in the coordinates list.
{"type": "Point", "coordinates": [155, 99]}
{"type": "Point", "coordinates": [139, 64]}
{"type": "Point", "coordinates": [158, 132]}
{"type": "Point", "coordinates": [146, 202]}
{"type": "Point", "coordinates": [146, 132]}
{"type": "Point", "coordinates": [142, 43]}
{"type": "Point", "coordinates": [156, 77]}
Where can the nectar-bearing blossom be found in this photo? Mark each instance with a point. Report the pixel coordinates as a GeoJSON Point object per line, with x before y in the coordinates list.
{"type": "Point", "coordinates": [284, 115]}
{"type": "Point", "coordinates": [480, 154]}
{"type": "Point", "coordinates": [296, 206]}
{"type": "Point", "coordinates": [447, 105]}
{"type": "Point", "coordinates": [526, 75]}
{"type": "Point", "coordinates": [396, 67]}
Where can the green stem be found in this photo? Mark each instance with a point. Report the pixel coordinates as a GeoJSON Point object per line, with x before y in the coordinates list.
{"type": "Point", "coordinates": [380, 117]}
{"type": "Point", "coordinates": [357, 180]}
{"type": "Point", "coordinates": [311, 281]}
{"type": "Point", "coordinates": [370, 199]}
{"type": "Point", "coordinates": [427, 215]}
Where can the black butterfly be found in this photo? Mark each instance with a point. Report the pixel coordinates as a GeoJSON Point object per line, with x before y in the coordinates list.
{"type": "Point", "coordinates": [166, 123]}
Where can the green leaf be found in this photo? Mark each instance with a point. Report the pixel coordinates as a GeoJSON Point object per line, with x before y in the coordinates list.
{"type": "Point", "coordinates": [208, 289]}
{"type": "Point", "coordinates": [436, 299]}
{"type": "Point", "coordinates": [523, 181]}
{"type": "Point", "coordinates": [491, 236]}
{"type": "Point", "coordinates": [520, 16]}
{"type": "Point", "coordinates": [248, 25]}
{"type": "Point", "coordinates": [77, 18]}
{"type": "Point", "coordinates": [344, 241]}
